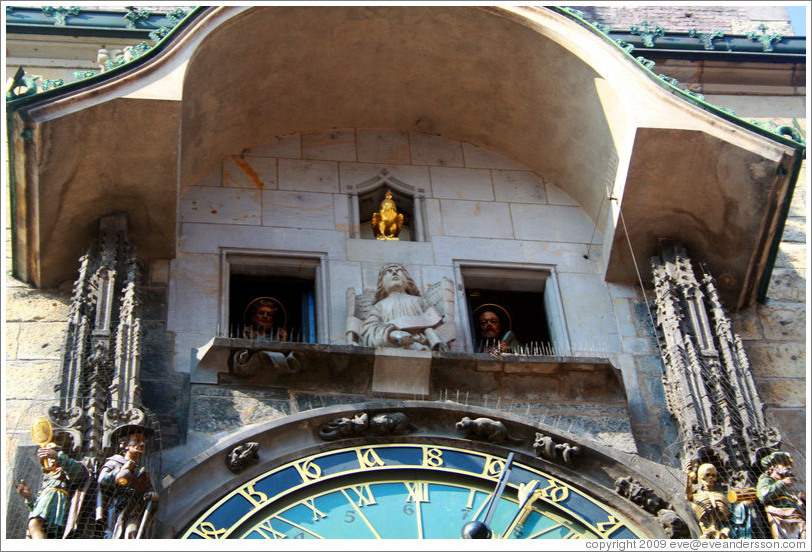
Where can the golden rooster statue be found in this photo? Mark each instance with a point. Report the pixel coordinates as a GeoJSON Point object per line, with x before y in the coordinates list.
{"type": "Point", "coordinates": [386, 223]}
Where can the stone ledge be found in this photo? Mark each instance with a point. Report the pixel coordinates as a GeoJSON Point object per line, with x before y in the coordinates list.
{"type": "Point", "coordinates": [345, 369]}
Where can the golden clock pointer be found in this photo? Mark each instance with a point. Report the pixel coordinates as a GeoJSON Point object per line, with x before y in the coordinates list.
{"type": "Point", "coordinates": [42, 434]}
{"type": "Point", "coordinates": [481, 529]}
{"type": "Point", "coordinates": [528, 493]}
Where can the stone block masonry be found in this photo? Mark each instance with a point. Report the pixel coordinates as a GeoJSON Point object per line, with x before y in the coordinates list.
{"type": "Point", "coordinates": [730, 19]}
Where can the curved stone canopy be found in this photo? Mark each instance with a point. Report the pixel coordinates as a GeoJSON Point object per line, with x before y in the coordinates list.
{"type": "Point", "coordinates": [528, 83]}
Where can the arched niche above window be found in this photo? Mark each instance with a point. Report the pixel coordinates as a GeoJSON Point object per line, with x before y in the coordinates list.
{"type": "Point", "coordinates": [366, 198]}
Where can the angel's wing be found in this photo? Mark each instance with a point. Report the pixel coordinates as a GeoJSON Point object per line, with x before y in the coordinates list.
{"type": "Point", "coordinates": [441, 295]}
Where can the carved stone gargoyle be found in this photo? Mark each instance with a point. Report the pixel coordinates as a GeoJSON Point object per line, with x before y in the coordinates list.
{"type": "Point", "coordinates": [546, 448]}
{"type": "Point", "coordinates": [485, 429]}
{"type": "Point", "coordinates": [242, 456]}
{"type": "Point", "coordinates": [641, 495]}
{"type": "Point", "coordinates": [392, 423]}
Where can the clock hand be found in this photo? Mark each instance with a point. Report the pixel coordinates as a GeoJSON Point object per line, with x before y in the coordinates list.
{"type": "Point", "coordinates": [527, 494]}
{"type": "Point", "coordinates": [480, 529]}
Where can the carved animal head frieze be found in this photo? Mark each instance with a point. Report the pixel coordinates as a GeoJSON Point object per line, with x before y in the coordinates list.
{"type": "Point", "coordinates": [242, 456]}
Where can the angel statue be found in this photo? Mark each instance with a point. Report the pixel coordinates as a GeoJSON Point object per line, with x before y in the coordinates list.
{"type": "Point", "coordinates": [397, 315]}
{"type": "Point", "coordinates": [386, 223]}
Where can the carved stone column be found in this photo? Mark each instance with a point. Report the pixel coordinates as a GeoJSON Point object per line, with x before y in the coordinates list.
{"type": "Point", "coordinates": [708, 382]}
{"type": "Point", "coordinates": [99, 391]}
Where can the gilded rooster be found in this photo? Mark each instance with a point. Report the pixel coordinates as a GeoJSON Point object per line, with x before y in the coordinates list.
{"type": "Point", "coordinates": [386, 223]}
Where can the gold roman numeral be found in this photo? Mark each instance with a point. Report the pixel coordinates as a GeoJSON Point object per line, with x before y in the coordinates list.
{"type": "Point", "coordinates": [418, 491]}
{"type": "Point", "coordinates": [368, 458]}
{"type": "Point", "coordinates": [471, 495]}
{"type": "Point", "coordinates": [317, 514]}
{"type": "Point", "coordinates": [364, 499]}
{"type": "Point", "coordinates": [308, 470]}
{"type": "Point", "coordinates": [269, 532]}
{"type": "Point", "coordinates": [257, 498]}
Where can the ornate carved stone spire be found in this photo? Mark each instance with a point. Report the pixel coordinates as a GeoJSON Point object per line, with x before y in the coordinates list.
{"type": "Point", "coordinates": [708, 382]}
{"type": "Point", "coordinates": [99, 391]}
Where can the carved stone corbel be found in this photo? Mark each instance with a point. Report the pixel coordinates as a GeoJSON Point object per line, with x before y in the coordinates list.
{"type": "Point", "coordinates": [115, 418]}
{"type": "Point", "coordinates": [244, 363]}
{"type": "Point", "coordinates": [342, 428]}
{"type": "Point", "coordinates": [673, 525]}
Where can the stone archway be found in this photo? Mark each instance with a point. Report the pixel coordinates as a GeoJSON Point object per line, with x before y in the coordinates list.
{"type": "Point", "coordinates": [307, 460]}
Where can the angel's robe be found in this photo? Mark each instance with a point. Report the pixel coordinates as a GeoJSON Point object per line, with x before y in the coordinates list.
{"type": "Point", "coordinates": [401, 311]}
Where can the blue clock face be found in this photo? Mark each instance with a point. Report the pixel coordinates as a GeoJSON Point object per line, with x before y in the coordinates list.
{"type": "Point", "coordinates": [404, 491]}
{"type": "Point", "coordinates": [409, 509]}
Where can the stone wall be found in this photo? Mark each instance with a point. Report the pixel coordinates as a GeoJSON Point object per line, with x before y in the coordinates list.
{"type": "Point", "coordinates": [775, 333]}
{"type": "Point", "coordinates": [291, 196]}
{"type": "Point", "coordinates": [654, 429]}
{"type": "Point", "coordinates": [730, 19]}
{"type": "Point", "coordinates": [34, 333]}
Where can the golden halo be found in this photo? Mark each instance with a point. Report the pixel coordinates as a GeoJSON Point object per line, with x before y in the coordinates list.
{"type": "Point", "coordinates": [499, 307]}
{"type": "Point", "coordinates": [248, 322]}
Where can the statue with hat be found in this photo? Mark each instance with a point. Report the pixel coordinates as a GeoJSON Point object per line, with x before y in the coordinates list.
{"type": "Point", "coordinates": [127, 497]}
{"type": "Point", "coordinates": [786, 510]}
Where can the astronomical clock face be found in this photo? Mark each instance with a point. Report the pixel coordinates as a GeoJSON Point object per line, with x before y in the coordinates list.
{"type": "Point", "coordinates": [404, 492]}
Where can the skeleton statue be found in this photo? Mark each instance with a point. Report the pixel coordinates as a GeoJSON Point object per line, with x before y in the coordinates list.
{"type": "Point", "coordinates": [711, 507]}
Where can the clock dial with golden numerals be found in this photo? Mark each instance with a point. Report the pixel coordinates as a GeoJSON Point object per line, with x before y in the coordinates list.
{"type": "Point", "coordinates": [403, 492]}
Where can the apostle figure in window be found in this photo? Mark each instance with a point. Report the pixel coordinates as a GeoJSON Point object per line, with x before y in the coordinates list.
{"type": "Point", "coordinates": [265, 319]}
{"type": "Point", "coordinates": [126, 493]}
{"type": "Point", "coordinates": [400, 316]}
{"type": "Point", "coordinates": [54, 511]}
{"type": "Point", "coordinates": [493, 335]}
{"type": "Point", "coordinates": [786, 510]}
